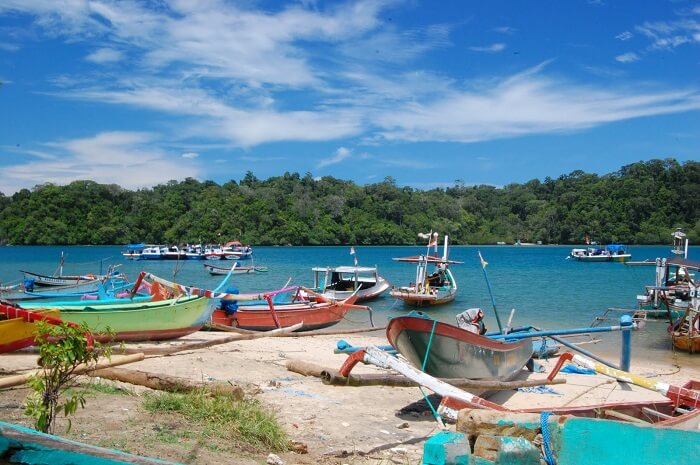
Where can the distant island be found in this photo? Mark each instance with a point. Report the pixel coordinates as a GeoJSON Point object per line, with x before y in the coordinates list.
{"type": "Point", "coordinates": [642, 203]}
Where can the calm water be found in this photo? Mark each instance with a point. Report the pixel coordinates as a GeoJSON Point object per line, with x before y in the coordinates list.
{"type": "Point", "coordinates": [544, 288]}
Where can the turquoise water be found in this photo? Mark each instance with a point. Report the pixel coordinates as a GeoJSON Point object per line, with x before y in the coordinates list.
{"type": "Point", "coordinates": [544, 288]}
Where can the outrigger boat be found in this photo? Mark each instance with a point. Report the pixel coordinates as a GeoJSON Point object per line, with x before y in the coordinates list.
{"type": "Point", "coordinates": [685, 333]}
{"type": "Point", "coordinates": [340, 282]}
{"type": "Point", "coordinates": [435, 289]}
{"type": "Point", "coordinates": [239, 269]}
{"type": "Point", "coordinates": [58, 278]}
{"type": "Point", "coordinates": [611, 253]}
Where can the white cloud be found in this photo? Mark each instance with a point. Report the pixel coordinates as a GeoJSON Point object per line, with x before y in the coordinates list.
{"type": "Point", "coordinates": [629, 57]}
{"type": "Point", "coordinates": [129, 159]}
{"type": "Point", "coordinates": [190, 155]}
{"type": "Point", "coordinates": [9, 47]}
{"type": "Point", "coordinates": [527, 103]}
{"type": "Point", "coordinates": [341, 154]}
{"type": "Point", "coordinates": [505, 30]}
{"type": "Point", "coordinates": [105, 55]}
{"type": "Point", "coordinates": [627, 35]}
{"type": "Point", "coordinates": [493, 48]}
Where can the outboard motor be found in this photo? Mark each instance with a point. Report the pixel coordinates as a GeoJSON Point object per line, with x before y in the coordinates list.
{"type": "Point", "coordinates": [229, 306]}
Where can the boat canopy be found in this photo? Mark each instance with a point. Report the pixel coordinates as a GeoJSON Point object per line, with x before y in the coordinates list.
{"type": "Point", "coordinates": [136, 246]}
{"type": "Point", "coordinates": [345, 269]}
{"type": "Point", "coordinates": [615, 248]}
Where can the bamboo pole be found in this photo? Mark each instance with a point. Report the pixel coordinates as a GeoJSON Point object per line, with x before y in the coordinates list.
{"type": "Point", "coordinates": [115, 360]}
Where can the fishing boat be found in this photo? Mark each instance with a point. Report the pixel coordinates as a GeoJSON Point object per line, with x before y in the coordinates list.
{"type": "Point", "coordinates": [340, 282]}
{"type": "Point", "coordinates": [609, 253]}
{"type": "Point", "coordinates": [435, 289]}
{"type": "Point", "coordinates": [18, 329]}
{"type": "Point", "coordinates": [685, 333]}
{"type": "Point", "coordinates": [238, 269]}
{"type": "Point", "coordinates": [58, 278]}
{"type": "Point", "coordinates": [133, 251]}
{"type": "Point", "coordinates": [114, 282]}
{"type": "Point", "coordinates": [447, 351]}
{"type": "Point", "coordinates": [283, 313]}
{"type": "Point", "coordinates": [141, 321]}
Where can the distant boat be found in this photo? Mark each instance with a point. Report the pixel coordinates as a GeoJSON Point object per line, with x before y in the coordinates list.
{"type": "Point", "coordinates": [133, 251]}
{"type": "Point", "coordinates": [238, 269]}
{"type": "Point", "coordinates": [58, 278]}
{"type": "Point", "coordinates": [680, 243]}
{"type": "Point", "coordinates": [609, 253]}
{"type": "Point", "coordinates": [435, 289]}
{"type": "Point", "coordinates": [340, 282]}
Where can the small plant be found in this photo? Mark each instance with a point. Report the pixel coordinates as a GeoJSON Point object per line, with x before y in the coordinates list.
{"type": "Point", "coordinates": [244, 422]}
{"type": "Point", "coordinates": [62, 349]}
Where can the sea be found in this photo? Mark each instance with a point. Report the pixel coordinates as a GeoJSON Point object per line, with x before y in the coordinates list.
{"type": "Point", "coordinates": [526, 285]}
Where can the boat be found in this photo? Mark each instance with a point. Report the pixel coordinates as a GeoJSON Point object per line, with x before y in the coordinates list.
{"type": "Point", "coordinates": [269, 314]}
{"type": "Point", "coordinates": [58, 278]}
{"type": "Point", "coordinates": [133, 251]}
{"type": "Point", "coordinates": [609, 253]}
{"type": "Point", "coordinates": [18, 328]}
{"type": "Point", "coordinates": [454, 352]}
{"type": "Point", "coordinates": [340, 282]}
{"type": "Point", "coordinates": [435, 289]}
{"type": "Point", "coordinates": [24, 446]}
{"type": "Point", "coordinates": [685, 333]}
{"type": "Point", "coordinates": [680, 243]}
{"type": "Point", "coordinates": [238, 269]}
{"type": "Point", "coordinates": [235, 248]}
{"type": "Point", "coordinates": [114, 282]}
{"type": "Point", "coordinates": [141, 321]}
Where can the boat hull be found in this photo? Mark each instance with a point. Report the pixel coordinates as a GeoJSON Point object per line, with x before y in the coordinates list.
{"type": "Point", "coordinates": [374, 291]}
{"type": "Point", "coordinates": [686, 343]}
{"type": "Point", "coordinates": [410, 296]}
{"type": "Point", "coordinates": [260, 318]}
{"type": "Point", "coordinates": [17, 333]}
{"type": "Point", "coordinates": [454, 352]}
{"type": "Point", "coordinates": [50, 281]}
{"type": "Point", "coordinates": [222, 270]}
{"type": "Point", "coordinates": [147, 321]}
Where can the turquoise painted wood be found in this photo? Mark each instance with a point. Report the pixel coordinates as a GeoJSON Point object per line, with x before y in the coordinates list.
{"type": "Point", "coordinates": [446, 448]}
{"type": "Point", "coordinates": [585, 441]}
{"type": "Point", "coordinates": [20, 445]}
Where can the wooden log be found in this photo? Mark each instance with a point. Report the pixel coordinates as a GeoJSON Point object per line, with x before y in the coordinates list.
{"type": "Point", "coordinates": [163, 382]}
{"type": "Point", "coordinates": [477, 422]}
{"type": "Point", "coordinates": [115, 360]}
{"type": "Point", "coordinates": [331, 376]}
{"type": "Point", "coordinates": [214, 342]}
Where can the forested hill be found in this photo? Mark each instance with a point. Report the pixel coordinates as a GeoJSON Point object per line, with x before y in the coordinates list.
{"type": "Point", "coordinates": [641, 203]}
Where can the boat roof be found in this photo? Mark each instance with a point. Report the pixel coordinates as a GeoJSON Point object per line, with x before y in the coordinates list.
{"type": "Point", "coordinates": [345, 269]}
{"type": "Point", "coordinates": [429, 258]}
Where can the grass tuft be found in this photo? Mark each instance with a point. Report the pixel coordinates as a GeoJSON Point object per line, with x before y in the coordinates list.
{"type": "Point", "coordinates": [245, 422]}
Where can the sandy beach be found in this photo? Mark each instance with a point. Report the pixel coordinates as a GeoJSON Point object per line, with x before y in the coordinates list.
{"type": "Point", "coordinates": [353, 425]}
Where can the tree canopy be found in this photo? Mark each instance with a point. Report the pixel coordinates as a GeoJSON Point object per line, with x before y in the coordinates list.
{"type": "Point", "coordinates": [642, 203]}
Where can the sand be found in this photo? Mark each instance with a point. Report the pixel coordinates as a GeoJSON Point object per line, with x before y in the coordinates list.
{"type": "Point", "coordinates": [353, 425]}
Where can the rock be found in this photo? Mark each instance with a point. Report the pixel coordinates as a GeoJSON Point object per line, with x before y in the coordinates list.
{"type": "Point", "coordinates": [403, 425]}
{"type": "Point", "coordinates": [274, 459]}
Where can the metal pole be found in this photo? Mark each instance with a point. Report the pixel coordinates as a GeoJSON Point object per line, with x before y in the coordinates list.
{"type": "Point", "coordinates": [626, 355]}
{"type": "Point", "coordinates": [488, 284]}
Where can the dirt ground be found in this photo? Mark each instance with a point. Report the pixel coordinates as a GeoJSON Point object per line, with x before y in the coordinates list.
{"type": "Point", "coordinates": [339, 425]}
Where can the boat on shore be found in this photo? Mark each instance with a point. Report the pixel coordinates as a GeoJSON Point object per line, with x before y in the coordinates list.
{"type": "Point", "coordinates": [447, 351]}
{"type": "Point", "coordinates": [18, 328]}
{"type": "Point", "coordinates": [435, 289]}
{"type": "Point", "coordinates": [340, 282]}
{"type": "Point", "coordinates": [685, 333]}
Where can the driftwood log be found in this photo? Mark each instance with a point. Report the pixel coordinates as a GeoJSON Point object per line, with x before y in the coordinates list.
{"type": "Point", "coordinates": [332, 377]}
{"type": "Point", "coordinates": [163, 382]}
{"type": "Point", "coordinates": [115, 360]}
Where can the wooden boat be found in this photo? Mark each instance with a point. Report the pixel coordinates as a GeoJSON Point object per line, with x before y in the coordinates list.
{"type": "Point", "coordinates": [113, 283]}
{"type": "Point", "coordinates": [141, 321]}
{"type": "Point", "coordinates": [59, 279]}
{"type": "Point", "coordinates": [685, 333]}
{"type": "Point", "coordinates": [610, 253]}
{"type": "Point", "coordinates": [18, 328]}
{"type": "Point", "coordinates": [239, 269]}
{"type": "Point", "coordinates": [341, 282]}
{"type": "Point", "coordinates": [453, 352]}
{"type": "Point", "coordinates": [269, 315]}
{"type": "Point", "coordinates": [435, 289]}
{"type": "Point", "coordinates": [25, 446]}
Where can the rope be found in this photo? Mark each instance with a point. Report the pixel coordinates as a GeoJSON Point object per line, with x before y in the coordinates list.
{"type": "Point", "coordinates": [436, 415]}
{"type": "Point", "coordinates": [546, 438]}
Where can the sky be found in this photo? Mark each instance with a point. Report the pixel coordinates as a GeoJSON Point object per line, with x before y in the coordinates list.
{"type": "Point", "coordinates": [138, 93]}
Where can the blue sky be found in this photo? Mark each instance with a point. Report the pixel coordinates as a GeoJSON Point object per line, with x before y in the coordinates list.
{"type": "Point", "coordinates": [487, 92]}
